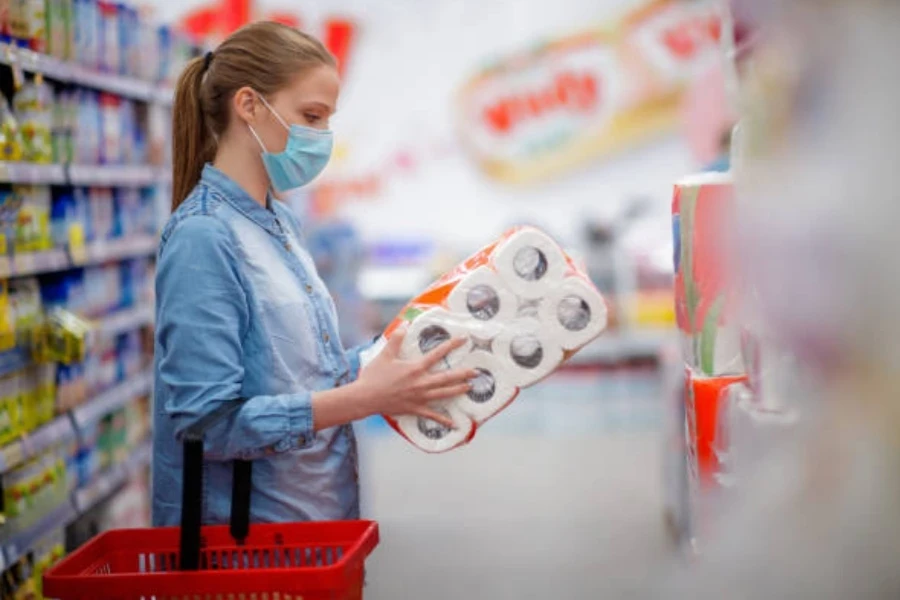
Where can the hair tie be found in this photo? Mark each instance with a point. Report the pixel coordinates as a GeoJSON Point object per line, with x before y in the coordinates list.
{"type": "Point", "coordinates": [207, 59]}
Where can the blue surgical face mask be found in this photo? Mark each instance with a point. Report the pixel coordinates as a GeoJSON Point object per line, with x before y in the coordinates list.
{"type": "Point", "coordinates": [304, 156]}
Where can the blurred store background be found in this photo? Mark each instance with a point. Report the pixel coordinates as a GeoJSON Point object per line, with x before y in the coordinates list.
{"type": "Point", "coordinates": [457, 120]}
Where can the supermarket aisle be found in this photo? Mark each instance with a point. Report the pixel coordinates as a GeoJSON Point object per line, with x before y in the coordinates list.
{"type": "Point", "coordinates": [528, 514]}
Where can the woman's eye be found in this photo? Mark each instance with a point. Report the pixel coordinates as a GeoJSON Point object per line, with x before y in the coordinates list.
{"type": "Point", "coordinates": [310, 118]}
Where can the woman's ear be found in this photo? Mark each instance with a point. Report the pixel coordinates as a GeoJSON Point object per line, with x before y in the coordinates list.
{"type": "Point", "coordinates": [245, 104]}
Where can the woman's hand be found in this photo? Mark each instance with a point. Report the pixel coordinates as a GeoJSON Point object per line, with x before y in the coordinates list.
{"type": "Point", "coordinates": [394, 386]}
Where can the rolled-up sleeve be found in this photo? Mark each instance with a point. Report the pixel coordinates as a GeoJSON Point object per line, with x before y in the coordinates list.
{"type": "Point", "coordinates": [202, 316]}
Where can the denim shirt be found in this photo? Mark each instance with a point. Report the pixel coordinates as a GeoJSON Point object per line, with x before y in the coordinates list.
{"type": "Point", "coordinates": [241, 315]}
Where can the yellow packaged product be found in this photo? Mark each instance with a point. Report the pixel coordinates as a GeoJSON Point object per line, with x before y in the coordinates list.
{"type": "Point", "coordinates": [33, 105]}
{"type": "Point", "coordinates": [11, 142]}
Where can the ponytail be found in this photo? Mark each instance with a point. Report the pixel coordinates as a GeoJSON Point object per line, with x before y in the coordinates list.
{"type": "Point", "coordinates": [264, 56]}
{"type": "Point", "coordinates": [192, 144]}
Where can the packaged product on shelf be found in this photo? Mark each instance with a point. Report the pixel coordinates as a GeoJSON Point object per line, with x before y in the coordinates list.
{"type": "Point", "coordinates": [12, 146]}
{"type": "Point", "coordinates": [62, 215]}
{"type": "Point", "coordinates": [28, 24]}
{"type": "Point", "coordinates": [33, 232]}
{"type": "Point", "coordinates": [9, 409]}
{"type": "Point", "coordinates": [70, 387]}
{"type": "Point", "coordinates": [109, 54]}
{"type": "Point", "coordinates": [47, 552]}
{"type": "Point", "coordinates": [522, 305]}
{"type": "Point", "coordinates": [33, 105]}
{"type": "Point", "coordinates": [111, 134]}
{"type": "Point", "coordinates": [59, 26]}
{"type": "Point", "coordinates": [87, 462]}
{"type": "Point", "coordinates": [63, 150]}
{"type": "Point", "coordinates": [101, 213]}
{"type": "Point", "coordinates": [705, 300]}
{"type": "Point", "coordinates": [4, 22]}
{"type": "Point", "coordinates": [130, 40]}
{"type": "Point", "coordinates": [87, 33]}
{"type": "Point", "coordinates": [45, 383]}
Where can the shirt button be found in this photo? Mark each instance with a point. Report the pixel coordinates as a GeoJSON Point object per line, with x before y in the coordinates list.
{"type": "Point", "coordinates": [326, 337]}
{"type": "Point", "coordinates": [302, 440]}
{"type": "Point", "coordinates": [287, 246]}
{"type": "Point", "coordinates": [308, 289]}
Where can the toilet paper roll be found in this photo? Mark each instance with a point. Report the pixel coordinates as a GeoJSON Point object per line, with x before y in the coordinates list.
{"type": "Point", "coordinates": [528, 351]}
{"type": "Point", "coordinates": [530, 263]}
{"type": "Point", "coordinates": [483, 295]}
{"type": "Point", "coordinates": [433, 437]}
{"type": "Point", "coordinates": [432, 328]}
{"type": "Point", "coordinates": [574, 313]}
{"type": "Point", "coordinates": [492, 388]}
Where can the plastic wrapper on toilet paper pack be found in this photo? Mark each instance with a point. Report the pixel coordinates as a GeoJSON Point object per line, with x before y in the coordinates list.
{"type": "Point", "coordinates": [705, 296]}
{"type": "Point", "coordinates": [523, 308]}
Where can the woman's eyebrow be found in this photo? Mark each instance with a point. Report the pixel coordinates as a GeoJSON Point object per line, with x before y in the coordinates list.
{"type": "Point", "coordinates": [316, 103]}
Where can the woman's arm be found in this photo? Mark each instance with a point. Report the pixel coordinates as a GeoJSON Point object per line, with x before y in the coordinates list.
{"type": "Point", "coordinates": [203, 314]}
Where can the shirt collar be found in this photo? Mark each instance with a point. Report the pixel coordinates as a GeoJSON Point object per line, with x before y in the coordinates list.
{"type": "Point", "coordinates": [240, 199]}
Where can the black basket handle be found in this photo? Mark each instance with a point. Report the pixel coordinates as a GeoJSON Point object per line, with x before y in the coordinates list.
{"type": "Point", "coordinates": [192, 490]}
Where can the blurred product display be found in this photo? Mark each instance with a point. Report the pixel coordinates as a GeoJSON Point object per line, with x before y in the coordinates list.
{"type": "Point", "coordinates": [84, 148]}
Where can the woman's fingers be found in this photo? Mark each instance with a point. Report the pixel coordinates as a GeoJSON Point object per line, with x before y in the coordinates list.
{"type": "Point", "coordinates": [395, 342]}
{"type": "Point", "coordinates": [450, 391]}
{"type": "Point", "coordinates": [437, 417]}
{"type": "Point", "coordinates": [438, 354]}
{"type": "Point", "coordinates": [448, 378]}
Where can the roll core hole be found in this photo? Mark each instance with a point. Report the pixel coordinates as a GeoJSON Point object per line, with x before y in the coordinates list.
{"type": "Point", "coordinates": [573, 313]}
{"type": "Point", "coordinates": [483, 386]}
{"type": "Point", "coordinates": [432, 429]}
{"type": "Point", "coordinates": [526, 351]}
{"type": "Point", "coordinates": [530, 263]}
{"type": "Point", "coordinates": [483, 302]}
{"type": "Point", "coordinates": [431, 337]}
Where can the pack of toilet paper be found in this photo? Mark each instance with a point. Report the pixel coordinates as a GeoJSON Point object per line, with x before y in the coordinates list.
{"type": "Point", "coordinates": [523, 308]}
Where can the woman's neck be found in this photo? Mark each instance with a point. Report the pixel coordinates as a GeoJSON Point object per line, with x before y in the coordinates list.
{"type": "Point", "coordinates": [245, 170]}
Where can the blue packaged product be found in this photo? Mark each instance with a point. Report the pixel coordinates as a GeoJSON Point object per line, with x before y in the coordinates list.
{"type": "Point", "coordinates": [87, 32]}
{"type": "Point", "coordinates": [164, 34]}
{"type": "Point", "coordinates": [63, 215]}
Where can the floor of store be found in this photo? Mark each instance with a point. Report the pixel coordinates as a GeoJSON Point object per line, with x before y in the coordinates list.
{"type": "Point", "coordinates": [520, 514]}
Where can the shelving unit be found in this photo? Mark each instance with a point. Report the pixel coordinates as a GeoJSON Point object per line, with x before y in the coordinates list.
{"type": "Point", "coordinates": [67, 426]}
{"type": "Point", "coordinates": [20, 534]}
{"type": "Point", "coordinates": [71, 72]}
{"type": "Point", "coordinates": [77, 504]}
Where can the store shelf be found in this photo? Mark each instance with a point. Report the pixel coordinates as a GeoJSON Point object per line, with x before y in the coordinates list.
{"type": "Point", "coordinates": [82, 501]}
{"type": "Point", "coordinates": [17, 545]}
{"type": "Point", "coordinates": [58, 431]}
{"type": "Point", "coordinates": [125, 320]}
{"type": "Point", "coordinates": [86, 175]}
{"type": "Point", "coordinates": [70, 72]}
{"type": "Point", "coordinates": [112, 400]}
{"type": "Point", "coordinates": [114, 175]}
{"type": "Point", "coordinates": [110, 481]}
{"type": "Point", "coordinates": [23, 172]}
{"type": "Point", "coordinates": [49, 261]}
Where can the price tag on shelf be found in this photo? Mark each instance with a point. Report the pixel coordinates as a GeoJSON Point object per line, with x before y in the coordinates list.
{"type": "Point", "coordinates": [77, 245]}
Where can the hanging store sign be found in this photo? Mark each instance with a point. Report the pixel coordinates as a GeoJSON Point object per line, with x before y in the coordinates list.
{"type": "Point", "coordinates": [536, 115]}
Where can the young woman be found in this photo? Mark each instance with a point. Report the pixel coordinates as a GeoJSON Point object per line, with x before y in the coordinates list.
{"type": "Point", "coordinates": [246, 332]}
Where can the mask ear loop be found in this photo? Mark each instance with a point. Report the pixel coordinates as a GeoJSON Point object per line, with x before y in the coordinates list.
{"type": "Point", "coordinates": [272, 110]}
{"type": "Point", "coordinates": [256, 135]}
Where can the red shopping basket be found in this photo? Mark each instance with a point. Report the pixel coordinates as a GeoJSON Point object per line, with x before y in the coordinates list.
{"type": "Point", "coordinates": [279, 561]}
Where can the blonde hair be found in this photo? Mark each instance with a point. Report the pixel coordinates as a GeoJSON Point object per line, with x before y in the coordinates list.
{"type": "Point", "coordinates": [264, 56]}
